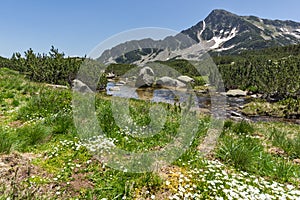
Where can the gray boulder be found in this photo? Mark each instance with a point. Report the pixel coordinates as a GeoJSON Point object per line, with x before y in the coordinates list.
{"type": "Point", "coordinates": [145, 78]}
{"type": "Point", "coordinates": [166, 81]}
{"type": "Point", "coordinates": [256, 95]}
{"type": "Point", "coordinates": [185, 79]}
{"type": "Point", "coordinates": [235, 114]}
{"type": "Point", "coordinates": [122, 82]}
{"type": "Point", "coordinates": [79, 86]}
{"type": "Point", "coordinates": [115, 88]}
{"type": "Point", "coordinates": [236, 93]}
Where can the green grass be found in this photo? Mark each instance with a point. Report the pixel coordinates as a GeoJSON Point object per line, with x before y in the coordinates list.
{"type": "Point", "coordinates": [39, 120]}
{"type": "Point", "coordinates": [248, 153]}
{"type": "Point", "coordinates": [243, 127]}
{"type": "Point", "coordinates": [290, 144]}
{"type": "Point", "coordinates": [30, 136]}
{"type": "Point", "coordinates": [5, 140]}
{"type": "Point", "coordinates": [45, 102]}
{"type": "Point", "coordinates": [241, 151]}
{"type": "Point", "coordinates": [288, 108]}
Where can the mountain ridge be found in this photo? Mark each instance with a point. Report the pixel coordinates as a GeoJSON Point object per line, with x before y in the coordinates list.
{"type": "Point", "coordinates": [221, 32]}
{"type": "Point", "coordinates": [250, 31]}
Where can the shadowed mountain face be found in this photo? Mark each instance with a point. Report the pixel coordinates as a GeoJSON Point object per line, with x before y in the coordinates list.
{"type": "Point", "coordinates": [220, 32]}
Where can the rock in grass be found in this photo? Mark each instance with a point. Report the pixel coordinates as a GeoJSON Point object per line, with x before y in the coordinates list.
{"type": "Point", "coordinates": [236, 93]}
{"type": "Point", "coordinates": [81, 87]}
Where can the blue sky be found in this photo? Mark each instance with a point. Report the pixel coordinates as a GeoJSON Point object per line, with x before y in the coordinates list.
{"type": "Point", "coordinates": [76, 27]}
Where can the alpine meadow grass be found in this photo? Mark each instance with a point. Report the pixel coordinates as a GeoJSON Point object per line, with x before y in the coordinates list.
{"type": "Point", "coordinates": [40, 125]}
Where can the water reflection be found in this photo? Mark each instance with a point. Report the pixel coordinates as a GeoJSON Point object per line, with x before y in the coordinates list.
{"type": "Point", "coordinates": [202, 102]}
{"type": "Point", "coordinates": [151, 94]}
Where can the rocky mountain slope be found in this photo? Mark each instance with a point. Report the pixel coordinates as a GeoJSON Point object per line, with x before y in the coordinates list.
{"type": "Point", "coordinates": [224, 31]}
{"type": "Point", "coordinates": [220, 32]}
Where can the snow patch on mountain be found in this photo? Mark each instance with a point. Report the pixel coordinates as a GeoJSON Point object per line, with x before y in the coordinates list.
{"type": "Point", "coordinates": [295, 35]}
{"type": "Point", "coordinates": [219, 40]}
{"type": "Point", "coordinates": [225, 49]}
{"type": "Point", "coordinates": [200, 32]}
{"type": "Point", "coordinates": [288, 31]}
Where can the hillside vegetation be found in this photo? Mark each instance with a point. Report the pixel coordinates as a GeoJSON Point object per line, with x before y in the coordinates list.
{"type": "Point", "coordinates": [274, 72]}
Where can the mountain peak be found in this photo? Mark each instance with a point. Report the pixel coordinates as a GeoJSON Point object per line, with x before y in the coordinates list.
{"type": "Point", "coordinates": [222, 32]}
{"type": "Point", "coordinates": [220, 11]}
{"type": "Point", "coordinates": [219, 15]}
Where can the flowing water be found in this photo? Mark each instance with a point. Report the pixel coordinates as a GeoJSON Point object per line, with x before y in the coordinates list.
{"type": "Point", "coordinates": [202, 102]}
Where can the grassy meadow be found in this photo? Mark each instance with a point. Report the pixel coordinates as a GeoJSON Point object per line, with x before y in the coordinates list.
{"type": "Point", "coordinates": [42, 156]}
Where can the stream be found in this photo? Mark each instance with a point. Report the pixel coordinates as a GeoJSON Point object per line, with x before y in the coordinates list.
{"type": "Point", "coordinates": [202, 102]}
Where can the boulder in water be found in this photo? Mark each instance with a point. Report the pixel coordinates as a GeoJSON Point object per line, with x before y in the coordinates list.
{"type": "Point", "coordinates": [166, 81]}
{"type": "Point", "coordinates": [145, 78]}
{"type": "Point", "coordinates": [115, 88]}
{"type": "Point", "coordinates": [185, 79]}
